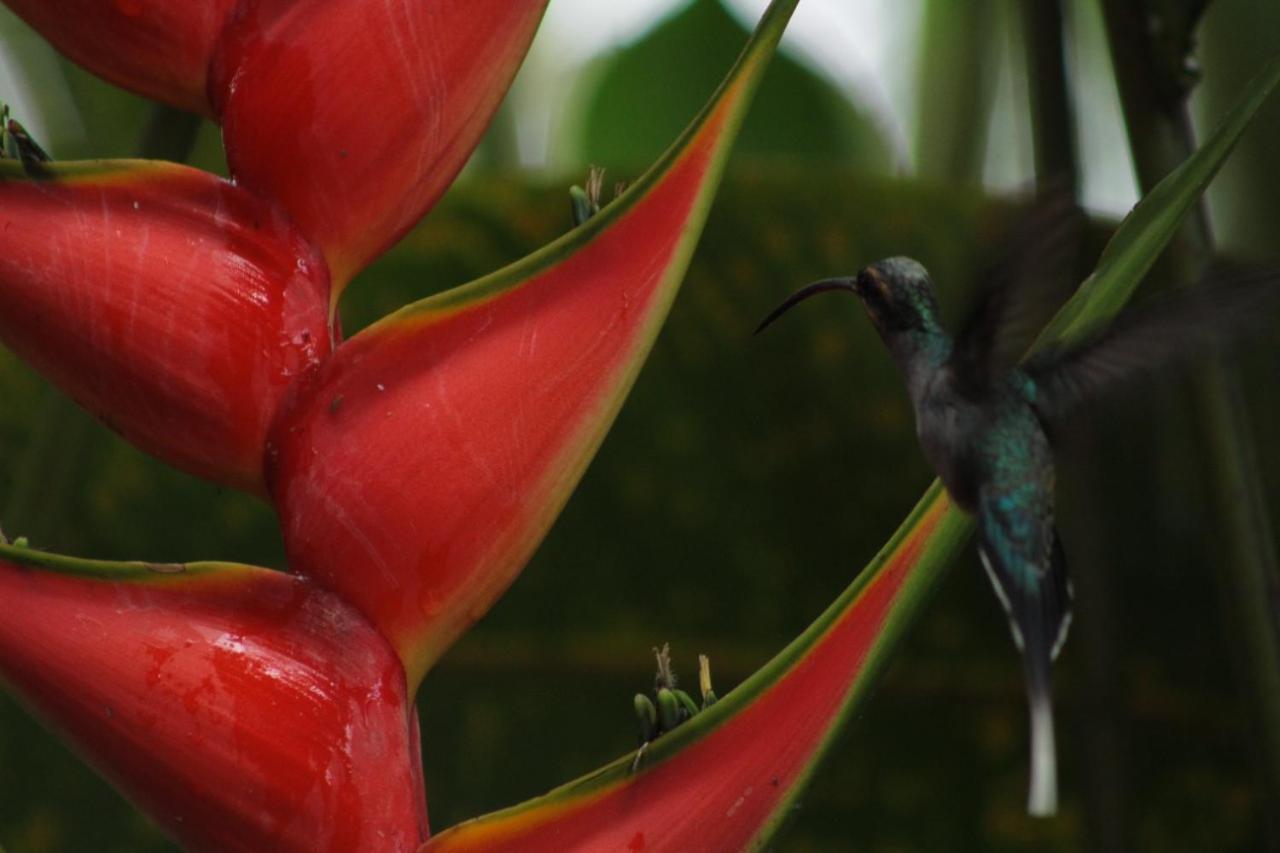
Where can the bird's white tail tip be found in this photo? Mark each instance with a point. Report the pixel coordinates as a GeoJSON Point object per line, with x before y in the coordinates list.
{"type": "Point", "coordinates": [1042, 799]}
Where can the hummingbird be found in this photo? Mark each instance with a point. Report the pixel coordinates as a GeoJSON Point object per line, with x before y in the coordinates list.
{"type": "Point", "coordinates": [984, 423]}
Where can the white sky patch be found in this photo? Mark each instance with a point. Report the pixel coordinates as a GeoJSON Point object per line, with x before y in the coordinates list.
{"type": "Point", "coordinates": [868, 47]}
{"type": "Point", "coordinates": [580, 29]}
{"type": "Point", "coordinates": [1108, 184]}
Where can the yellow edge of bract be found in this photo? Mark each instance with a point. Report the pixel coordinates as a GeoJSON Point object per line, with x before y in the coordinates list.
{"type": "Point", "coordinates": [132, 571]}
{"type": "Point", "coordinates": [97, 172]}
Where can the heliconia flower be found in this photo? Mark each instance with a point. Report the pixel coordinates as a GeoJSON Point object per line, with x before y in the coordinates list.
{"type": "Point", "coordinates": [356, 116]}
{"type": "Point", "coordinates": [727, 777]}
{"type": "Point", "coordinates": [157, 48]}
{"type": "Point", "coordinates": [422, 467]}
{"type": "Point", "coordinates": [179, 307]}
{"type": "Point", "coordinates": [170, 303]}
{"type": "Point", "coordinates": [242, 709]}
{"type": "Point", "coordinates": [353, 116]}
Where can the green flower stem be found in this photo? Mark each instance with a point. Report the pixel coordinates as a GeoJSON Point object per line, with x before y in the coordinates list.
{"type": "Point", "coordinates": [1153, 96]}
{"type": "Point", "coordinates": [1052, 123]}
{"type": "Point", "coordinates": [959, 64]}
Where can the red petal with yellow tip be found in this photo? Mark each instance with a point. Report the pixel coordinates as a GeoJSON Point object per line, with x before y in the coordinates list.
{"type": "Point", "coordinates": [168, 302]}
{"type": "Point", "coordinates": [725, 779]}
{"type": "Point", "coordinates": [157, 48]}
{"type": "Point", "coordinates": [243, 709]}
{"type": "Point", "coordinates": [431, 455]}
{"type": "Point", "coordinates": [357, 116]}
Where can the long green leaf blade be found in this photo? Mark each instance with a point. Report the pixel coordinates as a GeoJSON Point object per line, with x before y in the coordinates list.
{"type": "Point", "coordinates": [1149, 227]}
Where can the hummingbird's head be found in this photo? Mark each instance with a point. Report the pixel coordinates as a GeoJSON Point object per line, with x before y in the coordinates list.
{"type": "Point", "coordinates": [899, 296]}
{"type": "Point", "coordinates": [900, 300]}
{"type": "Point", "coordinates": [897, 293]}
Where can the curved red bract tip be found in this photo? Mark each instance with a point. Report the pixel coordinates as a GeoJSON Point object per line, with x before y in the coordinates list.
{"type": "Point", "coordinates": [356, 116]}
{"type": "Point", "coordinates": [157, 48]}
{"type": "Point", "coordinates": [479, 413]}
{"type": "Point", "coordinates": [243, 709]}
{"type": "Point", "coordinates": [171, 304]}
{"type": "Point", "coordinates": [727, 783]}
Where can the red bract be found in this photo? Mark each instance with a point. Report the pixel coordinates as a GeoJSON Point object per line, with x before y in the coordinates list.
{"type": "Point", "coordinates": [178, 307]}
{"type": "Point", "coordinates": [480, 408]}
{"type": "Point", "coordinates": [157, 48]}
{"type": "Point", "coordinates": [170, 303]}
{"type": "Point", "coordinates": [356, 116]}
{"type": "Point", "coordinates": [243, 708]}
{"type": "Point", "coordinates": [724, 780]}
{"type": "Point", "coordinates": [353, 116]}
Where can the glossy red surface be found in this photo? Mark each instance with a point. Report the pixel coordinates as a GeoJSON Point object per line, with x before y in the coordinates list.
{"type": "Point", "coordinates": [356, 116]}
{"type": "Point", "coordinates": [166, 301]}
{"type": "Point", "coordinates": [434, 451]}
{"type": "Point", "coordinates": [157, 48]}
{"type": "Point", "coordinates": [719, 792]}
{"type": "Point", "coordinates": [242, 712]}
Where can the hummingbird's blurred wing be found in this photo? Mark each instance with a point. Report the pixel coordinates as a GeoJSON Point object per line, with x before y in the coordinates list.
{"type": "Point", "coordinates": [1220, 311]}
{"type": "Point", "coordinates": [1031, 275]}
{"type": "Point", "coordinates": [1023, 559]}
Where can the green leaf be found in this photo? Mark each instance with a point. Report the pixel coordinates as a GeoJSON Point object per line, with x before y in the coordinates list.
{"type": "Point", "coordinates": [1149, 227]}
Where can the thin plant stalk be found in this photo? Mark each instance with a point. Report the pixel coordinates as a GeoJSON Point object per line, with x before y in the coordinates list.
{"type": "Point", "coordinates": [1153, 96]}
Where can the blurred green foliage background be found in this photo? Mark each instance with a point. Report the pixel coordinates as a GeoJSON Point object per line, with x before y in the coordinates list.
{"type": "Point", "coordinates": [747, 480]}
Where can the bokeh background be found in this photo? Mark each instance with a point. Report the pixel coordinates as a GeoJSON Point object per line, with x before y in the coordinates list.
{"type": "Point", "coordinates": [747, 480]}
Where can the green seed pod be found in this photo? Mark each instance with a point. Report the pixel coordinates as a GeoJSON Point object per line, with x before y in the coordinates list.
{"type": "Point", "coordinates": [646, 717]}
{"type": "Point", "coordinates": [668, 710]}
{"type": "Point", "coordinates": [580, 205]}
{"type": "Point", "coordinates": [686, 703]}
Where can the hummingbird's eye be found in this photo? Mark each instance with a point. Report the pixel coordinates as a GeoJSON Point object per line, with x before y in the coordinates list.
{"type": "Point", "coordinates": [873, 290]}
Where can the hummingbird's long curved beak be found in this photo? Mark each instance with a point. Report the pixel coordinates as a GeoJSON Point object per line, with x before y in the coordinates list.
{"type": "Point", "coordinates": [804, 293]}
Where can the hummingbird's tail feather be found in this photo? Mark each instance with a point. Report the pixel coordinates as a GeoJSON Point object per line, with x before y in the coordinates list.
{"type": "Point", "coordinates": [804, 293]}
{"type": "Point", "coordinates": [1045, 621]}
{"type": "Point", "coordinates": [1038, 622]}
{"type": "Point", "coordinates": [1025, 563]}
{"type": "Point", "coordinates": [1042, 797]}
